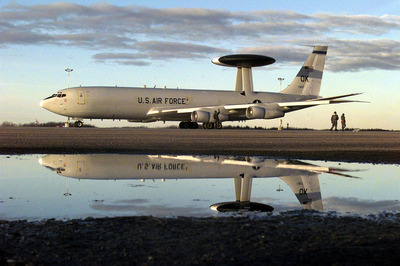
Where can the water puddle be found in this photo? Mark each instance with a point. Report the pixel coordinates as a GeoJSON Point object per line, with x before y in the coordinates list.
{"type": "Point", "coordinates": [36, 187]}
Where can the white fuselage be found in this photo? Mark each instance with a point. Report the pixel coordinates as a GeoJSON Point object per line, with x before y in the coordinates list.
{"type": "Point", "coordinates": [134, 103]}
{"type": "Point", "coordinates": [301, 177]}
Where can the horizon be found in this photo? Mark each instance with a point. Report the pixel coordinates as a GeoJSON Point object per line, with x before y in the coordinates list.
{"type": "Point", "coordinates": [136, 43]}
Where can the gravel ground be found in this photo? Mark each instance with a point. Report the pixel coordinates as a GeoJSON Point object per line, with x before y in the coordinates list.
{"type": "Point", "coordinates": [293, 238]}
{"type": "Point", "coordinates": [301, 237]}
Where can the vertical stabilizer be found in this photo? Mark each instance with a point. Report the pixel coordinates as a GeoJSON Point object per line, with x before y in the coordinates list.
{"type": "Point", "coordinates": [308, 80]}
{"type": "Point", "coordinates": [307, 190]}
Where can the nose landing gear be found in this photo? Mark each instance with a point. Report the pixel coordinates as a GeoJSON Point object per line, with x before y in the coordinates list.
{"type": "Point", "coordinates": [78, 123]}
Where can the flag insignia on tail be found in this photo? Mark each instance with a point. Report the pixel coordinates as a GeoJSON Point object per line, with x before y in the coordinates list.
{"type": "Point", "coordinates": [309, 68]}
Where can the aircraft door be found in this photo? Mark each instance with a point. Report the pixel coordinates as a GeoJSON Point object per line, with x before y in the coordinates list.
{"type": "Point", "coordinates": [81, 96]}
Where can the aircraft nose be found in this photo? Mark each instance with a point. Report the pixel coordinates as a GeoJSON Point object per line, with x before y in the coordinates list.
{"type": "Point", "coordinates": [44, 104]}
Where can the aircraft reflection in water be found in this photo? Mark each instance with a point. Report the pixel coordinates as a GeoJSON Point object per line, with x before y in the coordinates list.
{"type": "Point", "coordinates": [301, 177]}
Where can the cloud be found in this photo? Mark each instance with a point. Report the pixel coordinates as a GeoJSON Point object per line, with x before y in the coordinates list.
{"type": "Point", "coordinates": [361, 206]}
{"type": "Point", "coordinates": [122, 58]}
{"type": "Point", "coordinates": [356, 24]}
{"type": "Point", "coordinates": [158, 50]}
{"type": "Point", "coordinates": [356, 55]}
{"type": "Point", "coordinates": [346, 55]}
{"type": "Point", "coordinates": [139, 35]}
{"type": "Point", "coordinates": [144, 207]}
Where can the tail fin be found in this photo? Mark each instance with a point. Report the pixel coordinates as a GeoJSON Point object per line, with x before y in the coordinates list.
{"type": "Point", "coordinates": [308, 80]}
{"type": "Point", "coordinates": [307, 190]}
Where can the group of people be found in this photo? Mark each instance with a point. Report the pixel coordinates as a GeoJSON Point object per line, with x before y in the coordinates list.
{"type": "Point", "coordinates": [334, 121]}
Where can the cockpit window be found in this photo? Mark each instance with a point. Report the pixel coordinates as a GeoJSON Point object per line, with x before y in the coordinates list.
{"type": "Point", "coordinates": [52, 96]}
{"type": "Point", "coordinates": [58, 94]}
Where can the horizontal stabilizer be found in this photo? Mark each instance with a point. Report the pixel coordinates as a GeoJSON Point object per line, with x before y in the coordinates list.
{"type": "Point", "coordinates": [337, 97]}
{"type": "Point", "coordinates": [320, 101]}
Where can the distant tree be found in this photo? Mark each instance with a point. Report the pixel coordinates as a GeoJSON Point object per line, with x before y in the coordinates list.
{"type": "Point", "coordinates": [8, 124]}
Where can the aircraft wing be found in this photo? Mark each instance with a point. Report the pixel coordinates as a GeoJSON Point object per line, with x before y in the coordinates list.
{"type": "Point", "coordinates": [235, 112]}
{"type": "Point", "coordinates": [238, 111]}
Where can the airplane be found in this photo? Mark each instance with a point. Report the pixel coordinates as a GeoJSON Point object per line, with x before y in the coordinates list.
{"type": "Point", "coordinates": [190, 107]}
{"type": "Point", "coordinates": [301, 177]}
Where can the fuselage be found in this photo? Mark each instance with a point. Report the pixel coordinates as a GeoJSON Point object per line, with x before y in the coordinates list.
{"type": "Point", "coordinates": [133, 103]}
{"type": "Point", "coordinates": [301, 177]}
{"type": "Point", "coordinates": [128, 166]}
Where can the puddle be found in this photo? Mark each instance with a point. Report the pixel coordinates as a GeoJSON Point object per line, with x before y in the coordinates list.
{"type": "Point", "coordinates": [36, 187]}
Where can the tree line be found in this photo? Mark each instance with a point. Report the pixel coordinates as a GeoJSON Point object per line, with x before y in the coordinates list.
{"type": "Point", "coordinates": [33, 124]}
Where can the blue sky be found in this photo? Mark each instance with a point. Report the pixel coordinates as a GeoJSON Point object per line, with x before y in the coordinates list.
{"type": "Point", "coordinates": [135, 43]}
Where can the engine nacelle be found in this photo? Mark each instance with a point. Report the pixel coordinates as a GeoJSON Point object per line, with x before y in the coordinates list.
{"type": "Point", "coordinates": [270, 114]}
{"type": "Point", "coordinates": [205, 116]}
{"type": "Point", "coordinates": [200, 116]}
{"type": "Point", "coordinates": [256, 112]}
{"type": "Point", "coordinates": [223, 117]}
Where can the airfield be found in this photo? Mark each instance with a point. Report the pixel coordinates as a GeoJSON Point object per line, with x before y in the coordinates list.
{"type": "Point", "coordinates": [294, 237]}
{"type": "Point", "coordinates": [362, 146]}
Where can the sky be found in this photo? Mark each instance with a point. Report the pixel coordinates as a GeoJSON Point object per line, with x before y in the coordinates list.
{"type": "Point", "coordinates": [171, 43]}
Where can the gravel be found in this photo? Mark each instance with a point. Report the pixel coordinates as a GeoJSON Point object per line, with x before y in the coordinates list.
{"type": "Point", "coordinates": [299, 237]}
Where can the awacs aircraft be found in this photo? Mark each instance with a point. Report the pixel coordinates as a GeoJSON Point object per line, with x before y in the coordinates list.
{"type": "Point", "coordinates": [209, 107]}
{"type": "Point", "coordinates": [301, 177]}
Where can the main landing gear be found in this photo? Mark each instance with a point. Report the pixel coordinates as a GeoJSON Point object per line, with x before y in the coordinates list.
{"type": "Point", "coordinates": [209, 125]}
{"type": "Point", "coordinates": [206, 125]}
{"type": "Point", "coordinates": [185, 125]}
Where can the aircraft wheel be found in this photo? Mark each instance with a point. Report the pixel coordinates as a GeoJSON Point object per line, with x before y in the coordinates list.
{"type": "Point", "coordinates": [208, 125]}
{"type": "Point", "coordinates": [219, 125]}
{"type": "Point", "coordinates": [186, 125]}
{"type": "Point", "coordinates": [79, 123]}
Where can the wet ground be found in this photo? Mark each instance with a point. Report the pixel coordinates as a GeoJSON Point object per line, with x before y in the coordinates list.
{"type": "Point", "coordinates": [295, 237]}
{"type": "Point", "coordinates": [71, 186]}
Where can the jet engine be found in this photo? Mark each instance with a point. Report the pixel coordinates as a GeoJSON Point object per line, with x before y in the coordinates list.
{"type": "Point", "coordinates": [200, 116]}
{"type": "Point", "coordinates": [206, 116]}
{"type": "Point", "coordinates": [223, 117]}
{"type": "Point", "coordinates": [258, 112]}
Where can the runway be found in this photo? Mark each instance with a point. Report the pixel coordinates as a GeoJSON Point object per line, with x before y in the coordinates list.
{"type": "Point", "coordinates": [365, 146]}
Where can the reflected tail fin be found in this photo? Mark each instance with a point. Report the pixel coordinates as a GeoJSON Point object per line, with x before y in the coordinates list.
{"type": "Point", "coordinates": [307, 190]}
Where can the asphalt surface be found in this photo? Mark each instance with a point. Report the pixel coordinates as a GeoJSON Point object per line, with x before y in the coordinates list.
{"type": "Point", "coordinates": [293, 238]}
{"type": "Point", "coordinates": [364, 146]}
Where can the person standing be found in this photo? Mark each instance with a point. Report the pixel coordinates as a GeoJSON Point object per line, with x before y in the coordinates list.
{"type": "Point", "coordinates": [216, 119]}
{"type": "Point", "coordinates": [334, 119]}
{"type": "Point", "coordinates": [343, 120]}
